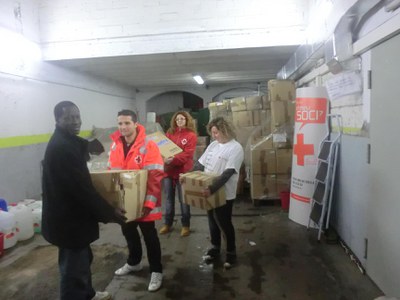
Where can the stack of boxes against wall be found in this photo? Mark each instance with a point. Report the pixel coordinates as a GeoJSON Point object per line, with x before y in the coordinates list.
{"type": "Point", "coordinates": [264, 127]}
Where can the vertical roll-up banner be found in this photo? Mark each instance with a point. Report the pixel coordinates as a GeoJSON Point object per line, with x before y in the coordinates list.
{"type": "Point", "coordinates": [310, 129]}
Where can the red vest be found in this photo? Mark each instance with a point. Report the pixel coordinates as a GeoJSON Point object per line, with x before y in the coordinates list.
{"type": "Point", "coordinates": [182, 162]}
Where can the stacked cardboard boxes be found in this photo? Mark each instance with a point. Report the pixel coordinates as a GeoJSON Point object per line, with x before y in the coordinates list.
{"type": "Point", "coordinates": [264, 127]}
{"type": "Point", "coordinates": [249, 115]}
{"type": "Point", "coordinates": [271, 157]}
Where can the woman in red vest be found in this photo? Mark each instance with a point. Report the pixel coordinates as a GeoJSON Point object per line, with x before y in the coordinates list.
{"type": "Point", "coordinates": [183, 133]}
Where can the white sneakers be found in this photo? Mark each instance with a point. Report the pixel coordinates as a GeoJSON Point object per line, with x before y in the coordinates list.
{"type": "Point", "coordinates": [102, 296]}
{"type": "Point", "coordinates": [155, 281]}
{"type": "Point", "coordinates": [126, 269]}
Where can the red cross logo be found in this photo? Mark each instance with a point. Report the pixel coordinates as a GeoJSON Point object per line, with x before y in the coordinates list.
{"type": "Point", "coordinates": [301, 149]}
{"type": "Point", "coordinates": [138, 159]}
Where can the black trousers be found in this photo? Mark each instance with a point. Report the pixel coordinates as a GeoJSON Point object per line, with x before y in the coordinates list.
{"type": "Point", "coordinates": [220, 222]}
{"type": "Point", "coordinates": [75, 274]}
{"type": "Point", "coordinates": [151, 240]}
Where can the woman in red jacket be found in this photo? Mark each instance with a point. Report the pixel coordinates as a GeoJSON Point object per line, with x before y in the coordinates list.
{"type": "Point", "coordinates": [183, 133]}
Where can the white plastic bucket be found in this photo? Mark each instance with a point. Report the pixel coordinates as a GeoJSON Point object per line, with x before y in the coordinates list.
{"type": "Point", "coordinates": [23, 216]}
{"type": "Point", "coordinates": [37, 220]}
{"type": "Point", "coordinates": [8, 226]}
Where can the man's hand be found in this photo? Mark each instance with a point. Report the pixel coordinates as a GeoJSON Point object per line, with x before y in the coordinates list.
{"type": "Point", "coordinates": [119, 215]}
{"type": "Point", "coordinates": [145, 212]}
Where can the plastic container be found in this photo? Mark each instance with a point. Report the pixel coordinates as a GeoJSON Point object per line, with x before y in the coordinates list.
{"type": "Point", "coordinates": [3, 205]}
{"type": "Point", "coordinates": [285, 199]}
{"type": "Point", "coordinates": [8, 226]}
{"type": "Point", "coordinates": [32, 204]}
{"type": "Point", "coordinates": [37, 220]}
{"type": "Point", "coordinates": [24, 218]}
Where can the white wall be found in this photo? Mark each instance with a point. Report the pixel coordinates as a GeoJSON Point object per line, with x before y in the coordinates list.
{"type": "Point", "coordinates": [29, 90]}
{"type": "Point", "coordinates": [123, 27]}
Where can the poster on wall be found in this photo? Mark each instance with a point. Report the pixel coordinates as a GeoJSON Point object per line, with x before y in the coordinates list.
{"type": "Point", "coordinates": [310, 129]}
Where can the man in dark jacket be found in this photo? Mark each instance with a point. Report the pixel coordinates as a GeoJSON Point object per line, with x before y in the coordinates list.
{"type": "Point", "coordinates": [71, 206]}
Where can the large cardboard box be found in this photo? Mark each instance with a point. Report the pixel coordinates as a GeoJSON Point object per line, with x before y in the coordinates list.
{"type": "Point", "coordinates": [203, 140]}
{"type": "Point", "coordinates": [265, 102]}
{"type": "Point", "coordinates": [263, 161]}
{"type": "Point", "coordinates": [166, 146]}
{"type": "Point", "coordinates": [279, 90]}
{"type": "Point", "coordinates": [263, 186]}
{"type": "Point", "coordinates": [238, 104]}
{"type": "Point", "coordinates": [254, 103]}
{"type": "Point", "coordinates": [218, 106]}
{"type": "Point", "coordinates": [199, 151]}
{"type": "Point", "coordinates": [193, 185]}
{"type": "Point", "coordinates": [242, 118]}
{"type": "Point", "coordinates": [247, 134]}
{"type": "Point", "coordinates": [122, 188]}
{"type": "Point", "coordinates": [284, 161]}
{"type": "Point", "coordinates": [281, 113]}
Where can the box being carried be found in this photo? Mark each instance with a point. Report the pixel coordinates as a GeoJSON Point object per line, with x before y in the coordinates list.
{"type": "Point", "coordinates": [192, 186]}
{"type": "Point", "coordinates": [123, 188]}
{"type": "Point", "coordinates": [166, 146]}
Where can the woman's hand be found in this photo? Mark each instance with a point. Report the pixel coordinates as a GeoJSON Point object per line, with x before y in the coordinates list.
{"type": "Point", "coordinates": [168, 160]}
{"type": "Point", "coordinates": [206, 192]}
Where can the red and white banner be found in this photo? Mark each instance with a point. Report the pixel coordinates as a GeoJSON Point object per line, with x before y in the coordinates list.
{"type": "Point", "coordinates": [310, 129]}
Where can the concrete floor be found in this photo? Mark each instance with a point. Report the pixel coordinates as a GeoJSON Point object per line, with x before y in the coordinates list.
{"type": "Point", "coordinates": [277, 259]}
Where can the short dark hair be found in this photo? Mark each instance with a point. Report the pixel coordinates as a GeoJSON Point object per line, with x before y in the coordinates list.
{"type": "Point", "coordinates": [128, 112]}
{"type": "Point", "coordinates": [59, 108]}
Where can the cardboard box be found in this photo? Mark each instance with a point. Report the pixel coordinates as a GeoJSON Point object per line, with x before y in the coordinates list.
{"type": "Point", "coordinates": [284, 161]}
{"type": "Point", "coordinates": [248, 134]}
{"type": "Point", "coordinates": [238, 104]}
{"type": "Point", "coordinates": [199, 151]}
{"type": "Point", "coordinates": [166, 146]}
{"type": "Point", "coordinates": [265, 102]}
{"type": "Point", "coordinates": [254, 103]}
{"type": "Point", "coordinates": [279, 90]}
{"type": "Point", "coordinates": [263, 161]}
{"type": "Point", "coordinates": [203, 140]}
{"type": "Point", "coordinates": [263, 186]}
{"type": "Point", "coordinates": [242, 118]}
{"type": "Point", "coordinates": [193, 185]}
{"type": "Point", "coordinates": [123, 188]}
{"type": "Point", "coordinates": [280, 113]}
{"type": "Point", "coordinates": [218, 106]}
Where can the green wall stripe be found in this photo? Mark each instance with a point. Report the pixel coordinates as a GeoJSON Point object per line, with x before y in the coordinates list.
{"type": "Point", "coordinates": [18, 141]}
{"type": "Point", "coordinates": [349, 130]}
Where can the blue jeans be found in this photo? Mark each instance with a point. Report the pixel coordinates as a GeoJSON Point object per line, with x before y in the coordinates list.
{"type": "Point", "coordinates": [75, 274]}
{"type": "Point", "coordinates": [170, 186]}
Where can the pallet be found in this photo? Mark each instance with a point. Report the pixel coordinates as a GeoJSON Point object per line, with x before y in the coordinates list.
{"type": "Point", "coordinates": [267, 200]}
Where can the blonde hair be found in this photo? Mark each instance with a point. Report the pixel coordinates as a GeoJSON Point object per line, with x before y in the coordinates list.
{"type": "Point", "coordinates": [190, 125]}
{"type": "Point", "coordinates": [223, 126]}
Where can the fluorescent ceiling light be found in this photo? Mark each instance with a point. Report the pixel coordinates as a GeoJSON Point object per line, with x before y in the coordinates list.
{"type": "Point", "coordinates": [198, 79]}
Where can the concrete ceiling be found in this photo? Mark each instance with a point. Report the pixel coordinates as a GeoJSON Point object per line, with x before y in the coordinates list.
{"type": "Point", "coordinates": [169, 70]}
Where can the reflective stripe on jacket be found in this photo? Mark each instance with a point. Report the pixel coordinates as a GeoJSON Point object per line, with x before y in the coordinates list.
{"type": "Point", "coordinates": [144, 154]}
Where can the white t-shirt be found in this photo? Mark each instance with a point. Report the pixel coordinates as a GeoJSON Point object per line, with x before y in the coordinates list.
{"type": "Point", "coordinates": [219, 157]}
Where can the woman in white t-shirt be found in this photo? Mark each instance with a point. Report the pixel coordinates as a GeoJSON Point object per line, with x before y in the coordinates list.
{"type": "Point", "coordinates": [224, 157]}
